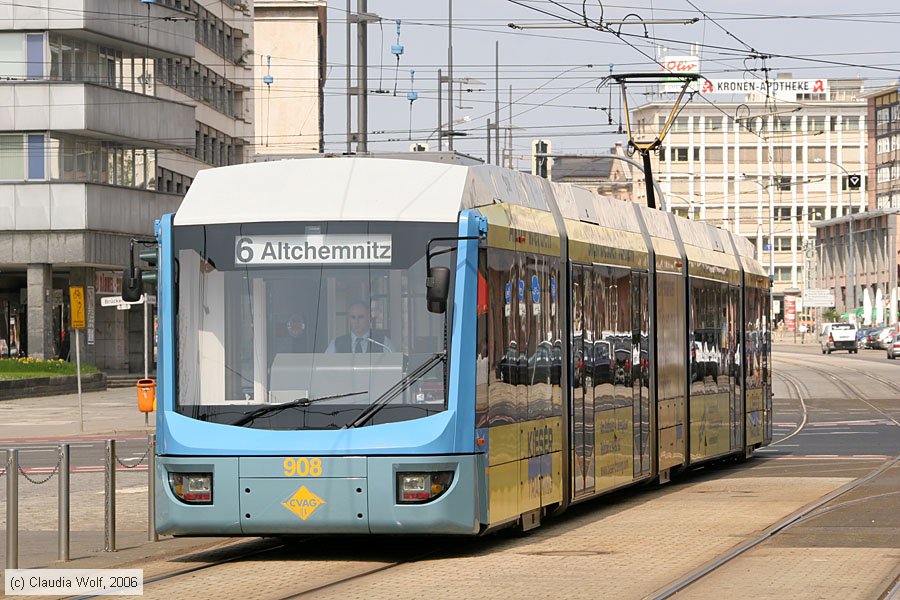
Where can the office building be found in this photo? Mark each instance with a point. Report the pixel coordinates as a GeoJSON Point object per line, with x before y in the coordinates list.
{"type": "Point", "coordinates": [768, 166]}
{"type": "Point", "coordinates": [109, 110]}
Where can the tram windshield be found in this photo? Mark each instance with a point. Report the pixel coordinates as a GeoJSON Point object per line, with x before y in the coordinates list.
{"type": "Point", "coordinates": [306, 325]}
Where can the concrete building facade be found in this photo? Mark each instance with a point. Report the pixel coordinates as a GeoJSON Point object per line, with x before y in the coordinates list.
{"type": "Point", "coordinates": [95, 144]}
{"type": "Point", "coordinates": [858, 258]}
{"type": "Point", "coordinates": [884, 147]}
{"type": "Point", "coordinates": [290, 69]}
{"type": "Point", "coordinates": [768, 170]}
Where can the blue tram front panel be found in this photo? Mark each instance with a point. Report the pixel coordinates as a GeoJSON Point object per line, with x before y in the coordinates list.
{"type": "Point", "coordinates": [305, 495]}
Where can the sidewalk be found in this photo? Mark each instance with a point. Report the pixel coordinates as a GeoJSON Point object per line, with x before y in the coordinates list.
{"type": "Point", "coordinates": [108, 413]}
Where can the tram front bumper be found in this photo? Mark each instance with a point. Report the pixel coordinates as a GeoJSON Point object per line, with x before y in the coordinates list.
{"type": "Point", "coordinates": [327, 495]}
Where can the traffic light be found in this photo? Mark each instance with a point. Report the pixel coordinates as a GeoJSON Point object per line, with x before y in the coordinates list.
{"type": "Point", "coordinates": [150, 273]}
{"type": "Point", "coordinates": [540, 162]}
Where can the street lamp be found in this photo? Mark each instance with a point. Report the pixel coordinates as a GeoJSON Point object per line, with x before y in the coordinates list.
{"type": "Point", "coordinates": [850, 235]}
{"type": "Point", "coordinates": [768, 189]}
{"type": "Point", "coordinates": [446, 128]}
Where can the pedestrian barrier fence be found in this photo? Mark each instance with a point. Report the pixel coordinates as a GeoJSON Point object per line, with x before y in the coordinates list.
{"type": "Point", "coordinates": [13, 470]}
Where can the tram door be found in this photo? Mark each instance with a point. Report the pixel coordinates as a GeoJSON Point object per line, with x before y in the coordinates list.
{"type": "Point", "coordinates": [582, 382]}
{"type": "Point", "coordinates": [640, 343]}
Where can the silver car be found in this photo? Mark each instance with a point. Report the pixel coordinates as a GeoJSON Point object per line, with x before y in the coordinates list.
{"type": "Point", "coordinates": [892, 344]}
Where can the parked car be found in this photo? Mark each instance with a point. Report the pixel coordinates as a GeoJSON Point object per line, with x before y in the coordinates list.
{"type": "Point", "coordinates": [838, 336]}
{"type": "Point", "coordinates": [881, 342]}
{"type": "Point", "coordinates": [893, 347]}
{"type": "Point", "coordinates": [869, 336]}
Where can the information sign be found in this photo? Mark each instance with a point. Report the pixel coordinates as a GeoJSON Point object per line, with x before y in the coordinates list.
{"type": "Point", "coordinates": [76, 301]}
{"type": "Point", "coordinates": [818, 298]}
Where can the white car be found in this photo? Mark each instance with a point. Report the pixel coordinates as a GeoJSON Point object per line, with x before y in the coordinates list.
{"type": "Point", "coordinates": [838, 336]}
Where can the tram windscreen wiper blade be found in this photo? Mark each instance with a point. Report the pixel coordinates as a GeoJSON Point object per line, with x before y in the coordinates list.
{"type": "Point", "coordinates": [397, 389]}
{"type": "Point", "coordinates": [299, 402]}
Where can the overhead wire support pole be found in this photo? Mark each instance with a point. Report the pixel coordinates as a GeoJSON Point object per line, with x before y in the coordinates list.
{"type": "Point", "coordinates": [362, 81]}
{"type": "Point", "coordinates": [496, 102]}
{"type": "Point", "coordinates": [450, 74]}
{"type": "Point", "coordinates": [349, 94]}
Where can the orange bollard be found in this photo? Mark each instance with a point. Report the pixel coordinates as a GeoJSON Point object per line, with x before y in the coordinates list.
{"type": "Point", "coordinates": [146, 390]}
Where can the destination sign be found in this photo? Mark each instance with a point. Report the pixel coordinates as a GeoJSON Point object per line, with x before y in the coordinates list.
{"type": "Point", "coordinates": [332, 249]}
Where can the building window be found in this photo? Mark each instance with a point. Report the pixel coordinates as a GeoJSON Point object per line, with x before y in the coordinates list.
{"type": "Point", "coordinates": [12, 163]}
{"type": "Point", "coordinates": [851, 123]}
{"type": "Point", "coordinates": [783, 182]}
{"type": "Point", "coordinates": [36, 156]}
{"type": "Point", "coordinates": [34, 43]}
{"type": "Point", "coordinates": [783, 213]}
{"type": "Point", "coordinates": [782, 273]}
{"type": "Point", "coordinates": [816, 213]}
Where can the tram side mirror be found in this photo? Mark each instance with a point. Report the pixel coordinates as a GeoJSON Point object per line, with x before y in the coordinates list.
{"type": "Point", "coordinates": [132, 284]}
{"type": "Point", "coordinates": [437, 285]}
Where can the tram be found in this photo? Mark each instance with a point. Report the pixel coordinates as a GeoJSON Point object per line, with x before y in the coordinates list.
{"type": "Point", "coordinates": [388, 346]}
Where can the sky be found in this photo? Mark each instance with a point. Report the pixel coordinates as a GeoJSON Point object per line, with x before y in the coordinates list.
{"type": "Point", "coordinates": [557, 74]}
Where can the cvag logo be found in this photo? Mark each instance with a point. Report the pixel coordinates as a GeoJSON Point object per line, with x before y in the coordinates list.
{"type": "Point", "coordinates": [303, 503]}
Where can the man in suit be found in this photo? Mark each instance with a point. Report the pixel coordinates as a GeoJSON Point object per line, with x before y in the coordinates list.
{"type": "Point", "coordinates": [361, 339]}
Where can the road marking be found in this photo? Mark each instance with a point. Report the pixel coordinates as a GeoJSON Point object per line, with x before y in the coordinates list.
{"type": "Point", "coordinates": [825, 457]}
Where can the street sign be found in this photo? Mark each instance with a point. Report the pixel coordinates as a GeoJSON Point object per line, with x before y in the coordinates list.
{"type": "Point", "coordinates": [76, 301]}
{"type": "Point", "coordinates": [818, 298]}
{"type": "Point", "coordinates": [854, 182]}
{"type": "Point", "coordinates": [118, 301]}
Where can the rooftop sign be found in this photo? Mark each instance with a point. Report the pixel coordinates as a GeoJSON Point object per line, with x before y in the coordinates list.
{"type": "Point", "coordinates": [780, 88]}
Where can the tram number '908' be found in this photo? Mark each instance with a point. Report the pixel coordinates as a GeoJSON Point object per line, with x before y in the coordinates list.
{"type": "Point", "coordinates": [303, 467]}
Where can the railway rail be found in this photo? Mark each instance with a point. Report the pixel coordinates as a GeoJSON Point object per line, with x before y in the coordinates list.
{"type": "Point", "coordinates": [813, 509]}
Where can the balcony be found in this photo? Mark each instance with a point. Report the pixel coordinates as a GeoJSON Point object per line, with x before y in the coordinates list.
{"type": "Point", "coordinates": [96, 111]}
{"type": "Point", "coordinates": [123, 20]}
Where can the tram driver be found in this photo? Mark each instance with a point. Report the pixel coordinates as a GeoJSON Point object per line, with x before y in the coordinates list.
{"type": "Point", "coordinates": [360, 339]}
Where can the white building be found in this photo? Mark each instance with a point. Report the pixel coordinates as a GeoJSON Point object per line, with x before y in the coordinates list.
{"type": "Point", "coordinates": [290, 69]}
{"type": "Point", "coordinates": [97, 141]}
{"type": "Point", "coordinates": [752, 165]}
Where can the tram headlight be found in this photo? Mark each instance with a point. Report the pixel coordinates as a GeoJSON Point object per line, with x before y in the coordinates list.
{"type": "Point", "coordinates": [192, 488]}
{"type": "Point", "coordinates": [418, 488]}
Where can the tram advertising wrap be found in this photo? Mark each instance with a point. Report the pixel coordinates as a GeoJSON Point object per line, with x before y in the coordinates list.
{"type": "Point", "coordinates": [398, 346]}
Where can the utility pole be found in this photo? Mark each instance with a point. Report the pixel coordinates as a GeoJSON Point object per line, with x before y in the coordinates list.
{"type": "Point", "coordinates": [449, 74]}
{"type": "Point", "coordinates": [497, 101]}
{"type": "Point", "coordinates": [361, 90]}
{"type": "Point", "coordinates": [362, 82]}
{"type": "Point", "coordinates": [440, 126]}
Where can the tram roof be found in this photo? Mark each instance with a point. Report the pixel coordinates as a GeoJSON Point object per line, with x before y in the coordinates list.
{"type": "Point", "coordinates": [326, 189]}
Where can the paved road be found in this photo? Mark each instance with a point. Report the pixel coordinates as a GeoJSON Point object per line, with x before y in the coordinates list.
{"type": "Point", "coordinates": [836, 416]}
{"type": "Point", "coordinates": [849, 403]}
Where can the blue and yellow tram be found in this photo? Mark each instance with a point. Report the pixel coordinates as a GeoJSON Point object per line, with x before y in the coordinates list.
{"type": "Point", "coordinates": [373, 345]}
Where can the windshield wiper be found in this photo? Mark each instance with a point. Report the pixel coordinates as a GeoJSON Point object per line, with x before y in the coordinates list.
{"type": "Point", "coordinates": [397, 389]}
{"type": "Point", "coordinates": [299, 402]}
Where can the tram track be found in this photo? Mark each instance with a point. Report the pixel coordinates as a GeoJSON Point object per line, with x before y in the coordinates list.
{"type": "Point", "coordinates": [797, 385]}
{"type": "Point", "coordinates": [813, 510]}
{"type": "Point", "coordinates": [275, 545]}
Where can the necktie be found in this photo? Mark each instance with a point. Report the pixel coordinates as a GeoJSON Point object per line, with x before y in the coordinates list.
{"type": "Point", "coordinates": [358, 349]}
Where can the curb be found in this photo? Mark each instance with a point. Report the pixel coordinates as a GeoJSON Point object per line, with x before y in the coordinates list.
{"type": "Point", "coordinates": [13, 389]}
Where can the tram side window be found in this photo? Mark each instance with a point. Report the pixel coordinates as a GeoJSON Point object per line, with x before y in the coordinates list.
{"type": "Point", "coordinates": [502, 338]}
{"type": "Point", "coordinates": [482, 350]}
{"type": "Point", "coordinates": [709, 333]}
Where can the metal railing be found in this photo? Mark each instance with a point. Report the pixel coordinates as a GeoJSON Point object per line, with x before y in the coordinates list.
{"type": "Point", "coordinates": [63, 468]}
